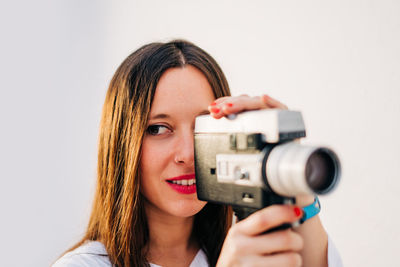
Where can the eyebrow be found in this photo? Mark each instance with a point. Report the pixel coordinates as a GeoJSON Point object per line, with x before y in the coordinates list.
{"type": "Point", "coordinates": [166, 116]}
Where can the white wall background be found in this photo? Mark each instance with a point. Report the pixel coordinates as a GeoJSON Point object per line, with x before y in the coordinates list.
{"type": "Point", "coordinates": [336, 61]}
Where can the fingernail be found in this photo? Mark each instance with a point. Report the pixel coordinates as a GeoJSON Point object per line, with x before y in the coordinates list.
{"type": "Point", "coordinates": [213, 104]}
{"type": "Point", "coordinates": [297, 211]}
{"type": "Point", "coordinates": [229, 104]}
{"type": "Point", "coordinates": [215, 110]}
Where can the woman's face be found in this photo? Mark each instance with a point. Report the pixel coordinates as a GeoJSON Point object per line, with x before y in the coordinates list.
{"type": "Point", "coordinates": [167, 161]}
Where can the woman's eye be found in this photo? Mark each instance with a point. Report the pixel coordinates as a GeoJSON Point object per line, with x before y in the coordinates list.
{"type": "Point", "coordinates": [157, 129]}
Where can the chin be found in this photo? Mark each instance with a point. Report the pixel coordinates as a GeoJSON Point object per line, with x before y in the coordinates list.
{"type": "Point", "coordinates": [186, 208]}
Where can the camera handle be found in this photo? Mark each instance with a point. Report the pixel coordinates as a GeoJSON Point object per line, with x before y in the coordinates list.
{"type": "Point", "coordinates": [308, 212]}
{"type": "Point", "coordinates": [244, 212]}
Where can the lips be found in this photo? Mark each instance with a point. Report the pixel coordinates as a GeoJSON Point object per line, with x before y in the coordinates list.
{"type": "Point", "coordinates": [183, 184]}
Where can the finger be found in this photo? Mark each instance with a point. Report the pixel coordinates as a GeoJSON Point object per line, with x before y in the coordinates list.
{"type": "Point", "coordinates": [287, 259]}
{"type": "Point", "coordinates": [242, 103]}
{"type": "Point", "coordinates": [268, 218]}
{"type": "Point", "coordinates": [279, 241]}
{"type": "Point", "coordinates": [275, 242]}
{"type": "Point", "coordinates": [215, 107]}
{"type": "Point", "coordinates": [273, 103]}
{"type": "Point", "coordinates": [215, 111]}
{"type": "Point", "coordinates": [219, 100]}
{"type": "Point", "coordinates": [232, 105]}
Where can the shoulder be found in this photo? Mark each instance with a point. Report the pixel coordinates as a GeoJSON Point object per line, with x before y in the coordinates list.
{"type": "Point", "coordinates": [200, 260]}
{"type": "Point", "coordinates": [91, 253]}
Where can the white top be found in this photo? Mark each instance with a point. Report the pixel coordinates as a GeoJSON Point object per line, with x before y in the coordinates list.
{"type": "Point", "coordinates": [93, 253]}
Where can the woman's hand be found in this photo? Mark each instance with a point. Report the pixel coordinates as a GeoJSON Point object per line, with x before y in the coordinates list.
{"type": "Point", "coordinates": [234, 104]}
{"type": "Point", "coordinates": [246, 245]}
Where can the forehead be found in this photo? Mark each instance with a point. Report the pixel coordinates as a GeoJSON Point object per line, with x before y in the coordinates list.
{"type": "Point", "coordinates": [186, 89]}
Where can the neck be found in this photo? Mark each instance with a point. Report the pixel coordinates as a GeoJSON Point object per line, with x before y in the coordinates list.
{"type": "Point", "coordinates": [169, 236]}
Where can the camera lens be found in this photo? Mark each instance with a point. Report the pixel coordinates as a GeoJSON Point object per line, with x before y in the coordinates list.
{"type": "Point", "coordinates": [294, 169]}
{"type": "Point", "coordinates": [320, 170]}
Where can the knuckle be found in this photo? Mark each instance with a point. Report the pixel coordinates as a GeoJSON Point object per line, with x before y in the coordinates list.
{"type": "Point", "coordinates": [291, 240]}
{"type": "Point", "coordinates": [262, 221]}
{"type": "Point", "coordinates": [232, 232]}
{"type": "Point", "coordinates": [299, 242]}
{"type": "Point", "coordinates": [235, 235]}
{"type": "Point", "coordinates": [242, 261]}
{"type": "Point", "coordinates": [237, 246]}
{"type": "Point", "coordinates": [286, 239]}
{"type": "Point", "coordinates": [293, 259]}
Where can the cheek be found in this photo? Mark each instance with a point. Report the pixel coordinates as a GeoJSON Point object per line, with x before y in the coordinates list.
{"type": "Point", "coordinates": [154, 160]}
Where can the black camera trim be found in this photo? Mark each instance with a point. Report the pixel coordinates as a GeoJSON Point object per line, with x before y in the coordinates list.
{"type": "Point", "coordinates": [266, 150]}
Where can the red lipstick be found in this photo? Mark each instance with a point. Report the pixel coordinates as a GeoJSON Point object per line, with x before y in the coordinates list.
{"type": "Point", "coordinates": [183, 184]}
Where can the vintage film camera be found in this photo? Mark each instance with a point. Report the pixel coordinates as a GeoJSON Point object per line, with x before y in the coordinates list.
{"type": "Point", "coordinates": [252, 160]}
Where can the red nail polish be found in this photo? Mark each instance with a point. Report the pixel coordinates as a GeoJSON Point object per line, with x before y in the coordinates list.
{"type": "Point", "coordinates": [298, 211]}
{"type": "Point", "coordinates": [215, 110]}
{"type": "Point", "coordinates": [229, 104]}
{"type": "Point", "coordinates": [213, 104]}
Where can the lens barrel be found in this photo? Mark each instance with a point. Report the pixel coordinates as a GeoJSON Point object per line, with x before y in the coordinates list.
{"type": "Point", "coordinates": [294, 169]}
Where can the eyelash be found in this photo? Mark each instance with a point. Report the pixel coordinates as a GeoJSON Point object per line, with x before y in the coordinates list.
{"type": "Point", "coordinates": [151, 128]}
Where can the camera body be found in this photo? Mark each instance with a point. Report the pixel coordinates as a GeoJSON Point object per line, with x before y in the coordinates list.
{"type": "Point", "coordinates": [251, 160]}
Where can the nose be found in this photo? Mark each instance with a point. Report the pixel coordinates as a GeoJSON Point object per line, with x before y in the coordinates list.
{"type": "Point", "coordinates": [184, 154]}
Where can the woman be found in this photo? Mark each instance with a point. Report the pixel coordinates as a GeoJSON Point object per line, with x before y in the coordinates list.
{"type": "Point", "coordinates": [145, 210]}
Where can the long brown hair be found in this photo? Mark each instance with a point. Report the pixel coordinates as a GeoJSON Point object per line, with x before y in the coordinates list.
{"type": "Point", "coordinates": [118, 219]}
